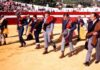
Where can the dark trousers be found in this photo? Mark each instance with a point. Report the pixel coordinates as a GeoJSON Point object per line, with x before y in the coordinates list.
{"type": "Point", "coordinates": [78, 29]}
{"type": "Point", "coordinates": [20, 32]}
{"type": "Point", "coordinates": [2, 36]}
{"type": "Point", "coordinates": [36, 34]}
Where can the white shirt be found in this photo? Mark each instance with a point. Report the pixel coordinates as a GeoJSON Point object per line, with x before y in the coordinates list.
{"type": "Point", "coordinates": [94, 21]}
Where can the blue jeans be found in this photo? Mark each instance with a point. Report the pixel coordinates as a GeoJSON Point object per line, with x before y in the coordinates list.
{"type": "Point", "coordinates": [20, 32]}
{"type": "Point", "coordinates": [46, 39]}
{"type": "Point", "coordinates": [36, 34]}
{"type": "Point", "coordinates": [69, 35]}
{"type": "Point", "coordinates": [90, 48]}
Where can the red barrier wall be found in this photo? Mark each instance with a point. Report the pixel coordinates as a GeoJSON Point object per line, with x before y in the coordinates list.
{"type": "Point", "coordinates": [12, 20]}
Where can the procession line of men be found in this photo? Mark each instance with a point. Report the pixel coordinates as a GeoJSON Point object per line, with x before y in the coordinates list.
{"type": "Point", "coordinates": [69, 24]}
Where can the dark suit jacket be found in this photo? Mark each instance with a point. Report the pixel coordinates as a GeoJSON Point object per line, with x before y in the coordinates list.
{"type": "Point", "coordinates": [64, 23]}
{"type": "Point", "coordinates": [38, 25]}
{"type": "Point", "coordinates": [95, 28]}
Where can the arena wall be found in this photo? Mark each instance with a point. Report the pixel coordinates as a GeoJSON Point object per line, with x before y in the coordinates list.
{"type": "Point", "coordinates": [11, 17]}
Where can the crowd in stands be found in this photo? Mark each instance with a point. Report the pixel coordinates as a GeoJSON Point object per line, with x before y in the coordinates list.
{"type": "Point", "coordinates": [12, 6]}
{"type": "Point", "coordinates": [9, 6]}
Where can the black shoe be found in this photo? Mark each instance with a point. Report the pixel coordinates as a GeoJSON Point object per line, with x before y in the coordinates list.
{"type": "Point", "coordinates": [4, 43]}
{"type": "Point", "coordinates": [86, 63]}
{"type": "Point", "coordinates": [62, 55]}
{"type": "Point", "coordinates": [54, 46]}
{"type": "Point", "coordinates": [0, 44]}
{"type": "Point", "coordinates": [96, 62]}
{"type": "Point", "coordinates": [6, 35]}
{"type": "Point", "coordinates": [24, 44]}
{"type": "Point", "coordinates": [45, 51]}
{"type": "Point", "coordinates": [78, 39]}
{"type": "Point", "coordinates": [21, 46]}
{"type": "Point", "coordinates": [70, 55]}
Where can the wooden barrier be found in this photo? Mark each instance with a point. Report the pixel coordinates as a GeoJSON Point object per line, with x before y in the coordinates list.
{"type": "Point", "coordinates": [11, 17]}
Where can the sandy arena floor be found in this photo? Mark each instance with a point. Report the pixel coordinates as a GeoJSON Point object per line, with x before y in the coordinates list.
{"type": "Point", "coordinates": [28, 58]}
